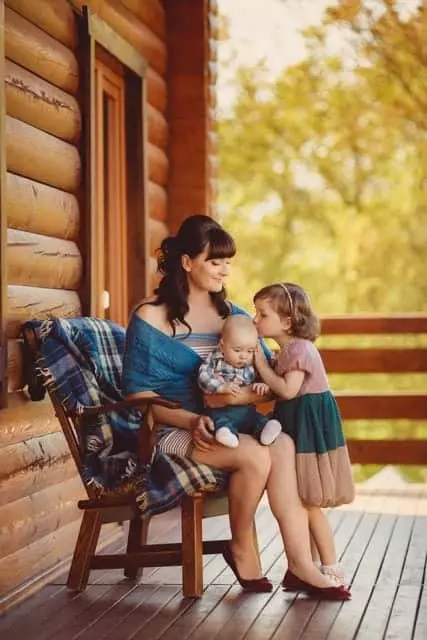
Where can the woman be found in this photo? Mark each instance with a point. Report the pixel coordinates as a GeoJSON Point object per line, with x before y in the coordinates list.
{"type": "Point", "coordinates": [182, 324]}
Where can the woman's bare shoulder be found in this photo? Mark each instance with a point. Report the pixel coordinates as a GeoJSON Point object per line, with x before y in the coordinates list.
{"type": "Point", "coordinates": [152, 313]}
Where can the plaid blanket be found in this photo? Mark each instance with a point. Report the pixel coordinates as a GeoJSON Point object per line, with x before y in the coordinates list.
{"type": "Point", "coordinates": [80, 360]}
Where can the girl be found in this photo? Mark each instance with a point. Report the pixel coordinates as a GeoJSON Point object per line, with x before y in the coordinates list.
{"type": "Point", "coordinates": [306, 409]}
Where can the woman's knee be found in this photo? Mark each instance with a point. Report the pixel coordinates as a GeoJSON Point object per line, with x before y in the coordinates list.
{"type": "Point", "coordinates": [254, 457]}
{"type": "Point", "coordinates": [282, 450]}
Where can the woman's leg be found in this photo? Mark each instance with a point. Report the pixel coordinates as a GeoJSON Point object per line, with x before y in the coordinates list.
{"type": "Point", "coordinates": [250, 464]}
{"type": "Point", "coordinates": [289, 512]}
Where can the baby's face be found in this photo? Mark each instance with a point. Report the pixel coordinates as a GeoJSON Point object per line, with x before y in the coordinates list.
{"type": "Point", "coordinates": [239, 349]}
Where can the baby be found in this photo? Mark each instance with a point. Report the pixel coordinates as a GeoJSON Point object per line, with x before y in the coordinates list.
{"type": "Point", "coordinates": [229, 367]}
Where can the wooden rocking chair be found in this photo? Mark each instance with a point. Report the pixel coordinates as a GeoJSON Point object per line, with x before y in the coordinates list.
{"type": "Point", "coordinates": [98, 511]}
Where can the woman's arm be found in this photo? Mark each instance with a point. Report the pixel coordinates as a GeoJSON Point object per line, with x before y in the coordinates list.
{"type": "Point", "coordinates": [245, 395]}
{"type": "Point", "coordinates": [285, 387]}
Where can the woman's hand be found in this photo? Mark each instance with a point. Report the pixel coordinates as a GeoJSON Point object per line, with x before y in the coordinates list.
{"type": "Point", "coordinates": [202, 431]}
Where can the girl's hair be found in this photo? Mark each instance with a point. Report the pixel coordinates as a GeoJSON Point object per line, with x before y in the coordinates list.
{"type": "Point", "coordinates": [290, 300]}
{"type": "Point", "coordinates": [196, 234]}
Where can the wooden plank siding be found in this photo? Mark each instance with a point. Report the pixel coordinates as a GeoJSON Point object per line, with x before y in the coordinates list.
{"type": "Point", "coordinates": [380, 539]}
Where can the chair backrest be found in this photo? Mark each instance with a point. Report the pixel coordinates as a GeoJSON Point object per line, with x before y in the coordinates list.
{"type": "Point", "coordinates": [79, 361]}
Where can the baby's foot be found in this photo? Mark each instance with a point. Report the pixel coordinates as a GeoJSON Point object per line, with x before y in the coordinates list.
{"type": "Point", "coordinates": [334, 573]}
{"type": "Point", "coordinates": [227, 438]}
{"type": "Point", "coordinates": [270, 432]}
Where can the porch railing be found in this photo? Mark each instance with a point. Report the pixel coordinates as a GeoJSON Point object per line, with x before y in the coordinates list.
{"type": "Point", "coordinates": [376, 405]}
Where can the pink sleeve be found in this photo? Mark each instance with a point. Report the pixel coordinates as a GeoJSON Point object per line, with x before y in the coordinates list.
{"type": "Point", "coordinates": [295, 357]}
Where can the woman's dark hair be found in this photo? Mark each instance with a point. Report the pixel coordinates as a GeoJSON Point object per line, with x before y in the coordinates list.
{"type": "Point", "coordinates": [195, 235]}
{"type": "Point", "coordinates": [290, 300]}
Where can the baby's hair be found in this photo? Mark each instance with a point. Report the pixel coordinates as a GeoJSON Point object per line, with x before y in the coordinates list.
{"type": "Point", "coordinates": [290, 300]}
{"type": "Point", "coordinates": [238, 322]}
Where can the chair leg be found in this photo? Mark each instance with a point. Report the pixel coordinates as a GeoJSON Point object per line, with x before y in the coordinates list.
{"type": "Point", "coordinates": [192, 546]}
{"type": "Point", "coordinates": [84, 550]}
{"type": "Point", "coordinates": [138, 534]}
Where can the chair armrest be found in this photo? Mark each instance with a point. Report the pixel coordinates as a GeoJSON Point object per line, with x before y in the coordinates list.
{"type": "Point", "coordinates": [131, 403]}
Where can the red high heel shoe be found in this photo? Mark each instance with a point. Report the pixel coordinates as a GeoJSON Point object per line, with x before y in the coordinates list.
{"type": "Point", "coordinates": [257, 585]}
{"type": "Point", "coordinates": [291, 582]}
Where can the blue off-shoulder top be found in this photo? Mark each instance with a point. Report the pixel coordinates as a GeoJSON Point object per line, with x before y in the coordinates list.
{"type": "Point", "coordinates": [154, 361]}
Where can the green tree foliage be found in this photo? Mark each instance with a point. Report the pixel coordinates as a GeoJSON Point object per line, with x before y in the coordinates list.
{"type": "Point", "coordinates": [323, 172]}
{"type": "Point", "coordinates": [323, 176]}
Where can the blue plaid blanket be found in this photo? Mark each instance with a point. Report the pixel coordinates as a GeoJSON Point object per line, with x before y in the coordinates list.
{"type": "Point", "coordinates": [80, 359]}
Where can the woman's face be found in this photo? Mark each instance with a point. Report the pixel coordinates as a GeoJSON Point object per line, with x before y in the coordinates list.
{"type": "Point", "coordinates": [207, 274]}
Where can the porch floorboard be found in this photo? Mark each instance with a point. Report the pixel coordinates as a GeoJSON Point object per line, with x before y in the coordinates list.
{"type": "Point", "coordinates": [381, 539]}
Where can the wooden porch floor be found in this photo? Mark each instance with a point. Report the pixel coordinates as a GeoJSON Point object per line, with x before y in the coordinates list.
{"type": "Point", "coordinates": [381, 539]}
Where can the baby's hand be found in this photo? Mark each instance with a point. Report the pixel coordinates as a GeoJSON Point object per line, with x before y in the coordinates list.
{"type": "Point", "coordinates": [230, 387]}
{"type": "Point", "coordinates": [260, 388]}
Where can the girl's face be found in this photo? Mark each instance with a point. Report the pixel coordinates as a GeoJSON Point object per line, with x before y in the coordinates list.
{"type": "Point", "coordinates": [268, 322]}
{"type": "Point", "coordinates": [207, 274]}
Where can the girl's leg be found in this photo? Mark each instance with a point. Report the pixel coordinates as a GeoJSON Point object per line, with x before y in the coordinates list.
{"type": "Point", "coordinates": [250, 464]}
{"type": "Point", "coordinates": [322, 535]}
{"type": "Point", "coordinates": [289, 512]}
{"type": "Point", "coordinates": [315, 556]}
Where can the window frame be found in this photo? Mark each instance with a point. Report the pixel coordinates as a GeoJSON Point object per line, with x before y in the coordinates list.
{"type": "Point", "coordinates": [95, 36]}
{"type": "Point", "coordinates": [3, 228]}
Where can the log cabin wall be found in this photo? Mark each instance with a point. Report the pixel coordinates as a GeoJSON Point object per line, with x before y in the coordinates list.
{"type": "Point", "coordinates": [38, 483]}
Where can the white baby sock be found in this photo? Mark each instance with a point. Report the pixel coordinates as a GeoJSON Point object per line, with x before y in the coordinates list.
{"type": "Point", "coordinates": [227, 437]}
{"type": "Point", "coordinates": [270, 432]}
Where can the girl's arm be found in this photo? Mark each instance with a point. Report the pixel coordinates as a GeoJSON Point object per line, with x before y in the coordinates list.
{"type": "Point", "coordinates": [285, 387]}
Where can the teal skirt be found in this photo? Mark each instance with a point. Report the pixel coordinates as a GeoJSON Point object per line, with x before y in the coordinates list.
{"type": "Point", "coordinates": [324, 472]}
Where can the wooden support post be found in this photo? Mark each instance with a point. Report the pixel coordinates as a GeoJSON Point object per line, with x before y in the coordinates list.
{"type": "Point", "coordinates": [192, 546]}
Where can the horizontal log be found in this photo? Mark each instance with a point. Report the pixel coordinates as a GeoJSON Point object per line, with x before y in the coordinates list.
{"type": "Point", "coordinates": [136, 33]}
{"type": "Point", "coordinates": [36, 453]}
{"type": "Point", "coordinates": [32, 48]}
{"type": "Point", "coordinates": [382, 406]}
{"type": "Point", "coordinates": [31, 518]}
{"type": "Point", "coordinates": [38, 155]}
{"type": "Point", "coordinates": [15, 364]}
{"type": "Point", "coordinates": [37, 557]}
{"type": "Point", "coordinates": [151, 13]}
{"type": "Point", "coordinates": [375, 360]}
{"type": "Point", "coordinates": [157, 232]}
{"type": "Point", "coordinates": [364, 324]}
{"type": "Point", "coordinates": [37, 208]}
{"type": "Point", "coordinates": [413, 452]}
{"type": "Point", "coordinates": [25, 484]}
{"type": "Point", "coordinates": [157, 127]}
{"type": "Point", "coordinates": [22, 419]}
{"type": "Point", "coordinates": [40, 261]}
{"type": "Point", "coordinates": [156, 90]}
{"type": "Point", "coordinates": [56, 17]}
{"type": "Point", "coordinates": [157, 202]}
{"type": "Point", "coordinates": [41, 104]}
{"type": "Point", "coordinates": [28, 303]}
{"type": "Point", "coordinates": [157, 165]}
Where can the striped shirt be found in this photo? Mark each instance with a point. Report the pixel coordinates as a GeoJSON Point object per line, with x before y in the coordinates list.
{"type": "Point", "coordinates": [172, 440]}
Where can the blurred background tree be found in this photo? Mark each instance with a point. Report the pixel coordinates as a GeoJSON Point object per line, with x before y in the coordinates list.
{"type": "Point", "coordinates": [323, 172]}
{"type": "Point", "coordinates": [323, 177]}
